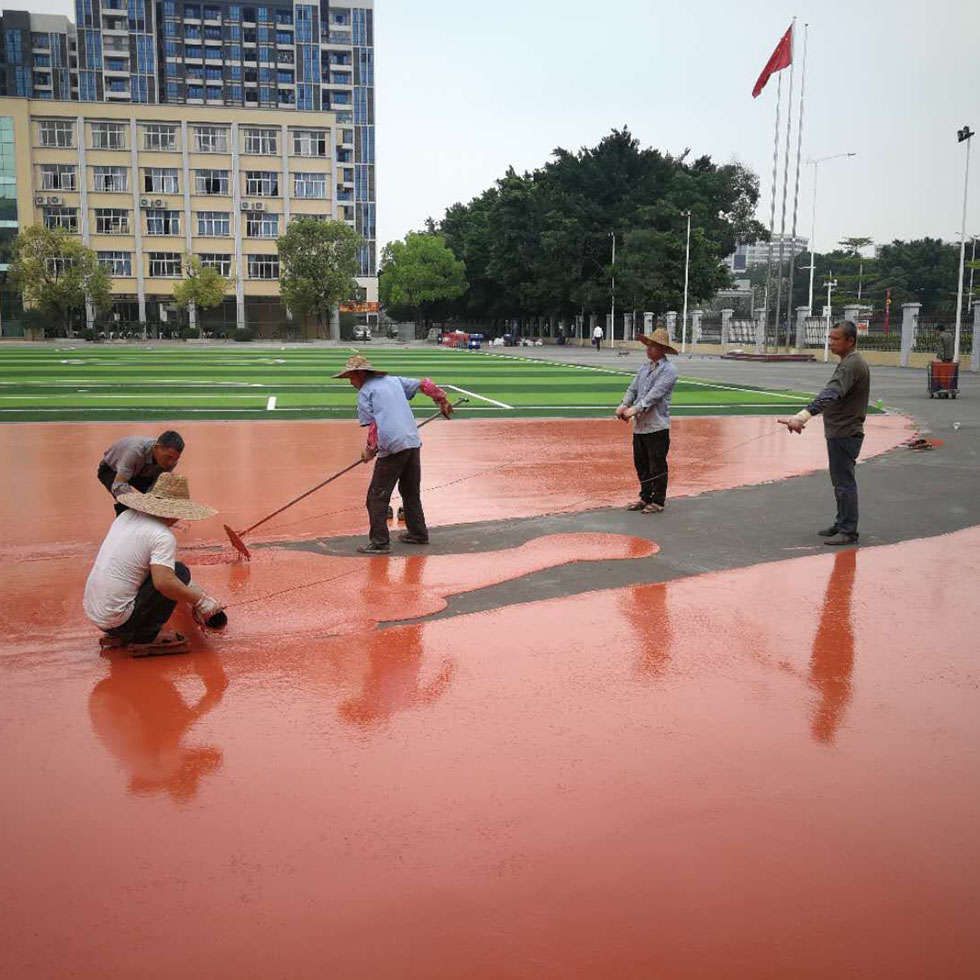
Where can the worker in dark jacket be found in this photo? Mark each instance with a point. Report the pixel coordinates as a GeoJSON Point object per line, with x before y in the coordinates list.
{"type": "Point", "coordinates": [134, 462]}
{"type": "Point", "coordinates": [944, 345]}
{"type": "Point", "coordinates": [844, 404]}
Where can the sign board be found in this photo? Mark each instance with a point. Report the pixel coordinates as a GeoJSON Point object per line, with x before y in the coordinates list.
{"type": "Point", "coordinates": [862, 326]}
{"type": "Point", "coordinates": [826, 311]}
{"type": "Point", "coordinates": [359, 308]}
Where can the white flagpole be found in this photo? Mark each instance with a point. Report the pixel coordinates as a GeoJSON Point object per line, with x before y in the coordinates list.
{"type": "Point", "coordinates": [772, 208]}
{"type": "Point", "coordinates": [796, 193]}
{"type": "Point", "coordinates": [782, 220]}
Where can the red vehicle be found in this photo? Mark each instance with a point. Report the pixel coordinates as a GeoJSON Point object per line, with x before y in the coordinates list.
{"type": "Point", "coordinates": [943, 379]}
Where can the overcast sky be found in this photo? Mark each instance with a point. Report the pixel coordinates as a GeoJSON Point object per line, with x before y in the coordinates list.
{"type": "Point", "coordinates": [464, 90]}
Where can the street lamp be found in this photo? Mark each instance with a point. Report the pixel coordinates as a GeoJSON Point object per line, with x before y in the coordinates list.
{"type": "Point", "coordinates": [813, 222]}
{"type": "Point", "coordinates": [973, 262]}
{"type": "Point", "coordinates": [962, 136]}
{"type": "Point", "coordinates": [687, 266]}
{"type": "Point", "coordinates": [831, 285]}
{"type": "Point", "coordinates": [612, 312]}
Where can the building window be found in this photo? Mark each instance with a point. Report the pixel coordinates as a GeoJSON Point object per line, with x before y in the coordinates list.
{"type": "Point", "coordinates": [284, 37]}
{"type": "Point", "coordinates": [261, 224]}
{"type": "Point", "coordinates": [284, 77]}
{"type": "Point", "coordinates": [56, 132]}
{"type": "Point", "coordinates": [212, 13]}
{"type": "Point", "coordinates": [160, 180]}
{"type": "Point", "coordinates": [192, 12]}
{"type": "Point", "coordinates": [217, 260]}
{"type": "Point", "coordinates": [261, 183]}
{"type": "Point", "coordinates": [211, 182]}
{"type": "Point", "coordinates": [347, 136]}
{"type": "Point", "coordinates": [162, 222]}
{"type": "Point", "coordinates": [210, 139]}
{"type": "Point", "coordinates": [164, 265]}
{"type": "Point", "coordinates": [310, 186]}
{"type": "Point", "coordinates": [110, 179]}
{"type": "Point", "coordinates": [57, 177]}
{"type": "Point", "coordinates": [65, 218]}
{"type": "Point", "coordinates": [156, 137]}
{"type": "Point", "coordinates": [263, 266]}
{"type": "Point", "coordinates": [111, 221]}
{"type": "Point", "coordinates": [193, 51]}
{"type": "Point", "coordinates": [195, 92]}
{"type": "Point", "coordinates": [261, 141]}
{"type": "Point", "coordinates": [117, 263]}
{"type": "Point", "coordinates": [213, 224]}
{"type": "Point", "coordinates": [213, 93]}
{"type": "Point", "coordinates": [108, 136]}
{"type": "Point", "coordinates": [214, 54]}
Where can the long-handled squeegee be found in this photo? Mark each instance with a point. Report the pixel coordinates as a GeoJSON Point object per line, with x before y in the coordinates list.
{"type": "Point", "coordinates": [236, 539]}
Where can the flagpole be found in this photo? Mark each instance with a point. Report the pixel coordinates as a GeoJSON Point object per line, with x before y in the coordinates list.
{"type": "Point", "coordinates": [796, 193]}
{"type": "Point", "coordinates": [772, 209]}
{"type": "Point", "coordinates": [782, 220]}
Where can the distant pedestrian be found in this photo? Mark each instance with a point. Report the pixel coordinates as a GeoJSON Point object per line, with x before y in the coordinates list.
{"type": "Point", "coordinates": [844, 403]}
{"type": "Point", "coordinates": [944, 345]}
{"type": "Point", "coordinates": [597, 336]}
{"type": "Point", "coordinates": [134, 463]}
{"type": "Point", "coordinates": [647, 403]}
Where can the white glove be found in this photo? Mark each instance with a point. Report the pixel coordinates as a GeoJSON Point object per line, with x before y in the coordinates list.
{"type": "Point", "coordinates": [205, 608]}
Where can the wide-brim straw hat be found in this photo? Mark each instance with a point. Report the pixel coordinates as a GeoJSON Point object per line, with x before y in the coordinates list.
{"type": "Point", "coordinates": [358, 363]}
{"type": "Point", "coordinates": [661, 338]}
{"type": "Point", "coordinates": [168, 497]}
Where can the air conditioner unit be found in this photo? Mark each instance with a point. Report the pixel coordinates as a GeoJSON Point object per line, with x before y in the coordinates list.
{"type": "Point", "coordinates": [258, 206]}
{"type": "Point", "coordinates": [38, 199]}
{"type": "Point", "coordinates": [158, 203]}
{"type": "Point", "coordinates": [54, 200]}
{"type": "Point", "coordinates": [246, 206]}
{"type": "Point", "coordinates": [144, 202]}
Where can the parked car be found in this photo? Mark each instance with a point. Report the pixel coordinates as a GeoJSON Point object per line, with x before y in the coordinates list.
{"type": "Point", "coordinates": [362, 333]}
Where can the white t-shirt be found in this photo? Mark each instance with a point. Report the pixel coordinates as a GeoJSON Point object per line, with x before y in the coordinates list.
{"type": "Point", "coordinates": [597, 333]}
{"type": "Point", "coordinates": [134, 542]}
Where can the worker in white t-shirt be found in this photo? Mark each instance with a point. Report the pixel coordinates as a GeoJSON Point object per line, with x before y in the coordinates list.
{"type": "Point", "coordinates": [136, 581]}
{"type": "Point", "coordinates": [597, 336]}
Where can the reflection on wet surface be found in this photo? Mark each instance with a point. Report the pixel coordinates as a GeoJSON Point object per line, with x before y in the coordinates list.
{"type": "Point", "coordinates": [633, 782]}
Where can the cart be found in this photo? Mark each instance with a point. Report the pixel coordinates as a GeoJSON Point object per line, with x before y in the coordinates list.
{"type": "Point", "coordinates": [943, 379]}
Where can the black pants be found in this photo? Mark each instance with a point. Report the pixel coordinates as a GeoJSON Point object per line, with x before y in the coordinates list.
{"type": "Point", "coordinates": [597, 343]}
{"type": "Point", "coordinates": [152, 610]}
{"type": "Point", "coordinates": [107, 475]}
{"type": "Point", "coordinates": [842, 453]}
{"type": "Point", "coordinates": [650, 459]}
{"type": "Point", "coordinates": [405, 469]}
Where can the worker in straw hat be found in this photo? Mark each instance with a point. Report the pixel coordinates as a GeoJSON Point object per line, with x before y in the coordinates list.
{"type": "Point", "coordinates": [382, 406]}
{"type": "Point", "coordinates": [136, 581]}
{"type": "Point", "coordinates": [647, 403]}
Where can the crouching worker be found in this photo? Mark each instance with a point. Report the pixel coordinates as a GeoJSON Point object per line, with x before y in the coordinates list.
{"type": "Point", "coordinates": [134, 462]}
{"type": "Point", "coordinates": [382, 406]}
{"type": "Point", "coordinates": [136, 581]}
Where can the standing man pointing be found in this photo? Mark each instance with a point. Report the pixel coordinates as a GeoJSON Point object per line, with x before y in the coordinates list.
{"type": "Point", "coordinates": [844, 403]}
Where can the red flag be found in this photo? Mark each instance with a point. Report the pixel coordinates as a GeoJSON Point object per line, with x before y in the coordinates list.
{"type": "Point", "coordinates": [781, 58]}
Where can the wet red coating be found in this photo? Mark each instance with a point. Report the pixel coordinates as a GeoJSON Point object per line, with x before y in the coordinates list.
{"type": "Point", "coordinates": [768, 772]}
{"type": "Point", "coordinates": [472, 471]}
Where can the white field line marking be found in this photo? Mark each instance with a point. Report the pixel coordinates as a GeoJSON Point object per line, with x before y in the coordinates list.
{"type": "Point", "coordinates": [270, 405]}
{"type": "Point", "coordinates": [483, 398]}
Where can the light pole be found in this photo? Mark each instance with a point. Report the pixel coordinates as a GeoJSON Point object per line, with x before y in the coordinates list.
{"type": "Point", "coordinates": [612, 312]}
{"type": "Point", "coordinates": [973, 262]}
{"type": "Point", "coordinates": [831, 285]}
{"type": "Point", "coordinates": [687, 266]}
{"type": "Point", "coordinates": [962, 136]}
{"type": "Point", "coordinates": [813, 220]}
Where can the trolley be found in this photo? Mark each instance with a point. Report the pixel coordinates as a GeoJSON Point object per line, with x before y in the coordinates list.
{"type": "Point", "coordinates": [943, 379]}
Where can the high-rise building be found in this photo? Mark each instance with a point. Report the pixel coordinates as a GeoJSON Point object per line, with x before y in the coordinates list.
{"type": "Point", "coordinates": [285, 68]}
{"type": "Point", "coordinates": [751, 254]}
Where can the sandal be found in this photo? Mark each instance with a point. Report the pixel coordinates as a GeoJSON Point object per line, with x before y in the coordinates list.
{"type": "Point", "coordinates": [107, 642]}
{"type": "Point", "coordinates": [164, 644]}
{"type": "Point", "coordinates": [653, 509]}
{"type": "Point", "coordinates": [636, 505]}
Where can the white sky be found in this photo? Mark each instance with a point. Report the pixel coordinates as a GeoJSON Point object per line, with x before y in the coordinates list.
{"type": "Point", "coordinates": [465, 90]}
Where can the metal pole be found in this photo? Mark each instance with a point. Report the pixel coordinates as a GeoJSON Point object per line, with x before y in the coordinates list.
{"type": "Point", "coordinates": [687, 263]}
{"type": "Point", "coordinates": [612, 317]}
{"type": "Point", "coordinates": [826, 336]}
{"type": "Point", "coordinates": [973, 259]}
{"type": "Point", "coordinates": [813, 231]}
{"type": "Point", "coordinates": [772, 209]}
{"type": "Point", "coordinates": [964, 134]}
{"type": "Point", "coordinates": [782, 220]}
{"type": "Point", "coordinates": [796, 192]}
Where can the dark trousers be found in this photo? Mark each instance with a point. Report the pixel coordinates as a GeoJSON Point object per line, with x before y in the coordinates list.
{"type": "Point", "coordinates": [151, 611]}
{"type": "Point", "coordinates": [107, 475]}
{"type": "Point", "coordinates": [597, 343]}
{"type": "Point", "coordinates": [405, 469]}
{"type": "Point", "coordinates": [650, 459]}
{"type": "Point", "coordinates": [842, 453]}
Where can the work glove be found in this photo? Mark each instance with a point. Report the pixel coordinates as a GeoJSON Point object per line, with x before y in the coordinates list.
{"type": "Point", "coordinates": [368, 452]}
{"type": "Point", "coordinates": [445, 406]}
{"type": "Point", "coordinates": [206, 607]}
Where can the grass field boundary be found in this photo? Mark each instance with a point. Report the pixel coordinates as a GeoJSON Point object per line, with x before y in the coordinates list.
{"type": "Point", "coordinates": [473, 394]}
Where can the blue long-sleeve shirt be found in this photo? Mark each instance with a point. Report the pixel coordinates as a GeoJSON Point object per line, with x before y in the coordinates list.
{"type": "Point", "coordinates": [650, 392]}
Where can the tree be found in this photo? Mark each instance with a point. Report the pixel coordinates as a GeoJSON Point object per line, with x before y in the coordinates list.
{"type": "Point", "coordinates": [418, 273]}
{"type": "Point", "coordinates": [203, 285]}
{"type": "Point", "coordinates": [853, 246]}
{"type": "Point", "coordinates": [318, 261]}
{"type": "Point", "coordinates": [56, 274]}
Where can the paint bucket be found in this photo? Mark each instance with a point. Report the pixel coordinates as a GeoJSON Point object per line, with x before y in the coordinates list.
{"type": "Point", "coordinates": [218, 621]}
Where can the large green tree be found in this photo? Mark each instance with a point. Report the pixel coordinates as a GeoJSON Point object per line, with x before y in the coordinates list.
{"type": "Point", "coordinates": [56, 275]}
{"type": "Point", "coordinates": [203, 285]}
{"type": "Point", "coordinates": [317, 265]}
{"type": "Point", "coordinates": [419, 273]}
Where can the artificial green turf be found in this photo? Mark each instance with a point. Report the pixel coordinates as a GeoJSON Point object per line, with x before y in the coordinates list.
{"type": "Point", "coordinates": [106, 383]}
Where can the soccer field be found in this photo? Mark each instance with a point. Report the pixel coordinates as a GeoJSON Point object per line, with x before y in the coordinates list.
{"type": "Point", "coordinates": [105, 383]}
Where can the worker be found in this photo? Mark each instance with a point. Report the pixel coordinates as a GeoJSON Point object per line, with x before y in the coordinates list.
{"type": "Point", "coordinates": [134, 462]}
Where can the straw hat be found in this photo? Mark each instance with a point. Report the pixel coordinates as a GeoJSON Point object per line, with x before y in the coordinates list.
{"type": "Point", "coordinates": [358, 363]}
{"type": "Point", "coordinates": [660, 337]}
{"type": "Point", "coordinates": [168, 497]}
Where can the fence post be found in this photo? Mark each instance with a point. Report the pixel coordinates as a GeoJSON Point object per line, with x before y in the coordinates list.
{"type": "Point", "coordinates": [852, 312]}
{"type": "Point", "coordinates": [802, 312]}
{"type": "Point", "coordinates": [910, 320]}
{"type": "Point", "coordinates": [648, 323]}
{"type": "Point", "coordinates": [726, 326]}
{"type": "Point", "coordinates": [760, 330]}
{"type": "Point", "coordinates": [696, 326]}
{"type": "Point", "coordinates": [975, 356]}
{"type": "Point", "coordinates": [670, 318]}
